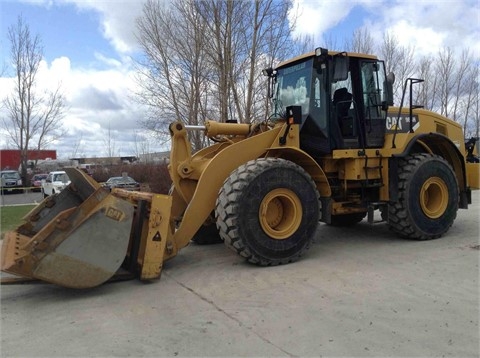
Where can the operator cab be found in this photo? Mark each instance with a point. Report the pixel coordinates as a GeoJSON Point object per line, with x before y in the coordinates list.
{"type": "Point", "coordinates": [343, 98]}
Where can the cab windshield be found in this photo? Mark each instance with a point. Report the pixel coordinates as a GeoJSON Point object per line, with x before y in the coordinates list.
{"type": "Point", "coordinates": [293, 88]}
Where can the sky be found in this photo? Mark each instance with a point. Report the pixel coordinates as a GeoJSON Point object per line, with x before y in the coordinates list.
{"type": "Point", "coordinates": [89, 46]}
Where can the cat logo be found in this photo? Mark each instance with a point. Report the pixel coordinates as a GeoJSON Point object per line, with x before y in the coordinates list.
{"type": "Point", "coordinates": [401, 124]}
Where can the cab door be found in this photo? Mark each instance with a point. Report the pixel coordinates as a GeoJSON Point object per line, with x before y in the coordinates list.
{"type": "Point", "coordinates": [373, 102]}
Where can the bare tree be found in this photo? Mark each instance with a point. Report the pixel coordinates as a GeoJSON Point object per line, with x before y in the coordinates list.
{"type": "Point", "coordinates": [173, 75]}
{"type": "Point", "coordinates": [329, 42]}
{"type": "Point", "coordinates": [33, 118]}
{"type": "Point", "coordinates": [426, 94]}
{"type": "Point", "coordinates": [203, 59]}
{"type": "Point", "coordinates": [219, 18]}
{"type": "Point", "coordinates": [361, 42]}
{"type": "Point", "coordinates": [77, 148]}
{"type": "Point", "coordinates": [110, 143]}
{"type": "Point", "coordinates": [459, 75]}
{"type": "Point", "coordinates": [399, 60]}
{"type": "Point", "coordinates": [247, 38]}
{"type": "Point", "coordinates": [451, 87]}
{"type": "Point", "coordinates": [444, 68]}
{"type": "Point", "coordinates": [142, 147]}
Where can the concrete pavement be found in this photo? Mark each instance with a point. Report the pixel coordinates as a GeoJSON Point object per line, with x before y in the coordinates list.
{"type": "Point", "coordinates": [359, 291]}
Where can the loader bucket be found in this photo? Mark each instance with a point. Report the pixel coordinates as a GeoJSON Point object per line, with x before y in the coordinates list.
{"type": "Point", "coordinates": [78, 238]}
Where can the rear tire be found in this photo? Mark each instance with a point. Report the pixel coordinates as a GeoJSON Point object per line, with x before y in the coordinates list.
{"type": "Point", "coordinates": [268, 210]}
{"type": "Point", "coordinates": [427, 200]}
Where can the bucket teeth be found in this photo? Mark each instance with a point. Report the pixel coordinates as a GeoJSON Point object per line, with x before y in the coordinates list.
{"type": "Point", "coordinates": [14, 258]}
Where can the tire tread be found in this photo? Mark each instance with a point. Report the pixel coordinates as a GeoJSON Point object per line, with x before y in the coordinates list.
{"type": "Point", "coordinates": [226, 209]}
{"type": "Point", "coordinates": [398, 215]}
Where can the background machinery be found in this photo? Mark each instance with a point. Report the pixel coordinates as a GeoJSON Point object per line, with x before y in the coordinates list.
{"type": "Point", "coordinates": [473, 162]}
{"type": "Point", "coordinates": [334, 150]}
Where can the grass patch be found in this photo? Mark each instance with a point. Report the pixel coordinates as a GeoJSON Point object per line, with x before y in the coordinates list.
{"type": "Point", "coordinates": [11, 216]}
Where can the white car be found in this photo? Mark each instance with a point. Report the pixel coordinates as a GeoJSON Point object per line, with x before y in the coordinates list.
{"type": "Point", "coordinates": [55, 183]}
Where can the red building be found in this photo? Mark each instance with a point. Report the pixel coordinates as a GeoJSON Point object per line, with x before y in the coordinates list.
{"type": "Point", "coordinates": [10, 158]}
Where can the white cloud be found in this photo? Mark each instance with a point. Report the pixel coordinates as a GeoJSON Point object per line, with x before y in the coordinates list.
{"type": "Point", "coordinates": [445, 23]}
{"type": "Point", "coordinates": [99, 99]}
{"type": "Point", "coordinates": [315, 17]}
{"type": "Point", "coordinates": [425, 40]}
{"type": "Point", "coordinates": [98, 102]}
{"type": "Point", "coordinates": [428, 25]}
{"type": "Point", "coordinates": [117, 20]}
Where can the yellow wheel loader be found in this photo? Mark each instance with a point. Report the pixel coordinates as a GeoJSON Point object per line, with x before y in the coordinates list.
{"type": "Point", "coordinates": [334, 150]}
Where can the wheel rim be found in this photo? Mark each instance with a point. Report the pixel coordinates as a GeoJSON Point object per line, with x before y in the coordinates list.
{"type": "Point", "coordinates": [280, 213]}
{"type": "Point", "coordinates": [434, 197]}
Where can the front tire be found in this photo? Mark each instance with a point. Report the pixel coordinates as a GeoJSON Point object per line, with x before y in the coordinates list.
{"type": "Point", "coordinates": [268, 210]}
{"type": "Point", "coordinates": [428, 198]}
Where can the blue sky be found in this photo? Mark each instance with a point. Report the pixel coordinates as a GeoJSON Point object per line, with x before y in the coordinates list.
{"type": "Point", "coordinates": [88, 46]}
{"type": "Point", "coordinates": [65, 30]}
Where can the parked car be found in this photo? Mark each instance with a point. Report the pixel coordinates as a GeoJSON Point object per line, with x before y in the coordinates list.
{"type": "Point", "coordinates": [123, 182]}
{"type": "Point", "coordinates": [36, 181]}
{"type": "Point", "coordinates": [10, 181]}
{"type": "Point", "coordinates": [55, 183]}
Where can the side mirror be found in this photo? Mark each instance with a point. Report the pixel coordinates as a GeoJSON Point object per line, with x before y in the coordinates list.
{"type": "Point", "coordinates": [272, 75]}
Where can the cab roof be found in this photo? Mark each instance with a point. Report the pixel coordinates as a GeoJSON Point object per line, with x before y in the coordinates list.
{"type": "Point", "coordinates": [330, 53]}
